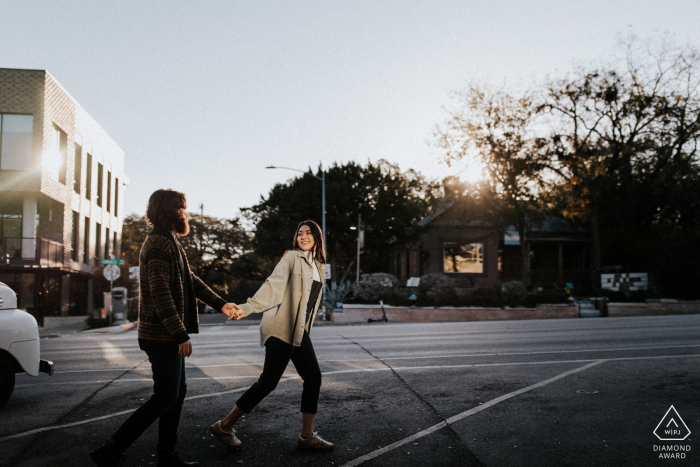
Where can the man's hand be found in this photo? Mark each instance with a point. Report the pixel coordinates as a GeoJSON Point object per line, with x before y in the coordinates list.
{"type": "Point", "coordinates": [233, 311]}
{"type": "Point", "coordinates": [185, 349]}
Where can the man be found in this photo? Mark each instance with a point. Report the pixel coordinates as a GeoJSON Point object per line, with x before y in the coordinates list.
{"type": "Point", "coordinates": [167, 316]}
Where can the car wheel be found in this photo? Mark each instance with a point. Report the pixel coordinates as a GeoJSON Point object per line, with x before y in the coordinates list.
{"type": "Point", "coordinates": [7, 380]}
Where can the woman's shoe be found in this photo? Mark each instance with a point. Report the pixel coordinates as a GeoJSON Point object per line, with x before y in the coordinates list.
{"type": "Point", "coordinates": [314, 442]}
{"type": "Point", "coordinates": [226, 437]}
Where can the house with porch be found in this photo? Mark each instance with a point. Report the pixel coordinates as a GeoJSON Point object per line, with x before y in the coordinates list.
{"type": "Point", "coordinates": [464, 245]}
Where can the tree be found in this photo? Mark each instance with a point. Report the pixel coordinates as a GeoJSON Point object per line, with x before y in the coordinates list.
{"type": "Point", "coordinates": [624, 144]}
{"type": "Point", "coordinates": [390, 202]}
{"type": "Point", "coordinates": [218, 252]}
{"type": "Point", "coordinates": [134, 233]}
{"type": "Point", "coordinates": [498, 130]}
{"type": "Point", "coordinates": [213, 248]}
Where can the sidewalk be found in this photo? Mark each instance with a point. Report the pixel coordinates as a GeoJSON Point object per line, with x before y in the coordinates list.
{"type": "Point", "coordinates": [76, 328]}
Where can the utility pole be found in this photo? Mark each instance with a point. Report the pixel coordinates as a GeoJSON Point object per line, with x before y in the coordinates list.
{"type": "Point", "coordinates": [359, 241]}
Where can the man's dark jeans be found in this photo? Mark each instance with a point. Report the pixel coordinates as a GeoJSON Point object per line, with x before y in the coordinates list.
{"type": "Point", "coordinates": [169, 390]}
{"type": "Point", "coordinates": [277, 356]}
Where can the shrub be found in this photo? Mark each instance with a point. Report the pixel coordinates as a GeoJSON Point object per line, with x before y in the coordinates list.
{"type": "Point", "coordinates": [550, 296]}
{"type": "Point", "coordinates": [438, 289]}
{"type": "Point", "coordinates": [336, 292]}
{"type": "Point", "coordinates": [678, 272]}
{"type": "Point", "coordinates": [513, 293]}
{"type": "Point", "coordinates": [373, 287]}
{"type": "Point", "coordinates": [484, 296]}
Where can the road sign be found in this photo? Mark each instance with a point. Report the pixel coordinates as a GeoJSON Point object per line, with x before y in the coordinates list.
{"type": "Point", "coordinates": [111, 272]}
{"type": "Point", "coordinates": [111, 261]}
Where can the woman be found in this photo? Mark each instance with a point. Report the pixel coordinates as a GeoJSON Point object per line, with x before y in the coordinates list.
{"type": "Point", "coordinates": [289, 298]}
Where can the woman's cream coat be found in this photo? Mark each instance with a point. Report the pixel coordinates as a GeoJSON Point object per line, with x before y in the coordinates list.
{"type": "Point", "coordinates": [283, 299]}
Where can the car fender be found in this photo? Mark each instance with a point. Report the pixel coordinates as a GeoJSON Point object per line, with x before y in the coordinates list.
{"type": "Point", "coordinates": [19, 336]}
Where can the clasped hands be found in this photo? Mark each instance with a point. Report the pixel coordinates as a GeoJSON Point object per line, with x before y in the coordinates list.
{"type": "Point", "coordinates": [233, 311]}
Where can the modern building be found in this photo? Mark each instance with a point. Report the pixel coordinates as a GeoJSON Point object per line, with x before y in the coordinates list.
{"type": "Point", "coordinates": [62, 187]}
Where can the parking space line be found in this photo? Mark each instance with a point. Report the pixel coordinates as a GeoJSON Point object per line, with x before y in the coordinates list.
{"type": "Point", "coordinates": [123, 412]}
{"type": "Point", "coordinates": [355, 370]}
{"type": "Point", "coordinates": [463, 415]}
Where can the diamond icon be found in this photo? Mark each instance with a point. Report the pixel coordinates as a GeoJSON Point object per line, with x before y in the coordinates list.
{"type": "Point", "coordinates": [672, 427]}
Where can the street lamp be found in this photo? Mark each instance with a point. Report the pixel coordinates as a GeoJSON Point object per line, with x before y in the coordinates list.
{"type": "Point", "coordinates": [323, 212]}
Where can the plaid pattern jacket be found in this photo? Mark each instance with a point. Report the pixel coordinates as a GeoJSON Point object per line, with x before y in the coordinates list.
{"type": "Point", "coordinates": [162, 303]}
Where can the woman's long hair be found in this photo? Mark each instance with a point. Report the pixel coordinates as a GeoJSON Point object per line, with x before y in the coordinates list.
{"type": "Point", "coordinates": [166, 210]}
{"type": "Point", "coordinates": [319, 248]}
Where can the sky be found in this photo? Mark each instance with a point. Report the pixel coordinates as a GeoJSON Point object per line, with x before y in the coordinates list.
{"type": "Point", "coordinates": [202, 96]}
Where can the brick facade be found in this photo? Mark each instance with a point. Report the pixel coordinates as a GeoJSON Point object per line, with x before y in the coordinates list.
{"type": "Point", "coordinates": [37, 93]}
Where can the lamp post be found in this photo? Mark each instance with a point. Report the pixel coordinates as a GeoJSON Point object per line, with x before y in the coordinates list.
{"type": "Point", "coordinates": [323, 212]}
{"type": "Point", "coordinates": [323, 195]}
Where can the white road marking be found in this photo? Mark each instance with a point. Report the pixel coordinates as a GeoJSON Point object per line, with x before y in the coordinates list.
{"type": "Point", "coordinates": [294, 377]}
{"type": "Point", "coordinates": [463, 415]}
{"type": "Point", "coordinates": [361, 370]}
{"type": "Point", "coordinates": [124, 412]}
{"type": "Point", "coordinates": [422, 357]}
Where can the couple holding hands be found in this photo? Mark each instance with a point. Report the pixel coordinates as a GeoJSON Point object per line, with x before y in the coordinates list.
{"type": "Point", "coordinates": [168, 314]}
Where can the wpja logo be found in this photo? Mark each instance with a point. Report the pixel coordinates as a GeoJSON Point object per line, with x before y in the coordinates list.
{"type": "Point", "coordinates": [672, 428]}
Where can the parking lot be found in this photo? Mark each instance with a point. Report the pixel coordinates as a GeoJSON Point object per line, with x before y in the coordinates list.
{"type": "Point", "coordinates": [579, 392]}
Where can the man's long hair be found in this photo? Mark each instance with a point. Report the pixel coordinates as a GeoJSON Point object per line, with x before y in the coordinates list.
{"type": "Point", "coordinates": [319, 248]}
{"type": "Point", "coordinates": [166, 210]}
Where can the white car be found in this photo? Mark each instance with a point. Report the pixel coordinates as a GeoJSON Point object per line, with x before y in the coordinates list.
{"type": "Point", "coordinates": [19, 344]}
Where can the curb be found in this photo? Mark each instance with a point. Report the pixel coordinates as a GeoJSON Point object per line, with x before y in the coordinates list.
{"type": "Point", "coordinates": [113, 329]}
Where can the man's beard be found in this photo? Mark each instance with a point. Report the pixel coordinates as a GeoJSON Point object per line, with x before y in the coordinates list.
{"type": "Point", "coordinates": [182, 227]}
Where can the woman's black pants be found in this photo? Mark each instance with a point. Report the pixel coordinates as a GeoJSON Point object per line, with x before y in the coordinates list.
{"type": "Point", "coordinates": [277, 356]}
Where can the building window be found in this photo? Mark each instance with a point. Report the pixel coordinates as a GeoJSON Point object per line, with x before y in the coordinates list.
{"type": "Point", "coordinates": [10, 231]}
{"type": "Point", "coordinates": [114, 243]}
{"type": "Point", "coordinates": [116, 196]}
{"type": "Point", "coordinates": [98, 195]}
{"type": "Point", "coordinates": [98, 239]}
{"type": "Point", "coordinates": [86, 242]}
{"type": "Point", "coordinates": [107, 239]}
{"type": "Point", "coordinates": [109, 191]}
{"type": "Point", "coordinates": [467, 258]}
{"type": "Point", "coordinates": [77, 167]}
{"type": "Point", "coordinates": [16, 141]}
{"type": "Point", "coordinates": [74, 236]}
{"type": "Point", "coordinates": [88, 177]}
{"type": "Point", "coordinates": [55, 158]}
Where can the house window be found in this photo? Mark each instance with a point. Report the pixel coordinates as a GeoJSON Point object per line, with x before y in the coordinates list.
{"type": "Point", "coordinates": [86, 242]}
{"type": "Point", "coordinates": [98, 239]}
{"type": "Point", "coordinates": [109, 191]}
{"type": "Point", "coordinates": [55, 158]}
{"type": "Point", "coordinates": [16, 141]}
{"type": "Point", "coordinates": [74, 236]}
{"type": "Point", "coordinates": [88, 177]}
{"type": "Point", "coordinates": [10, 231]}
{"type": "Point", "coordinates": [106, 243]}
{"type": "Point", "coordinates": [116, 196]}
{"type": "Point", "coordinates": [98, 197]}
{"type": "Point", "coordinates": [77, 166]}
{"type": "Point", "coordinates": [467, 258]}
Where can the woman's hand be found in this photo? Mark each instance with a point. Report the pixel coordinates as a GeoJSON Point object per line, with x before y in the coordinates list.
{"type": "Point", "coordinates": [233, 311]}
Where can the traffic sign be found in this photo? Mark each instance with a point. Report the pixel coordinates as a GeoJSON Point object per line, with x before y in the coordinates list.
{"type": "Point", "coordinates": [111, 272]}
{"type": "Point", "coordinates": [111, 261]}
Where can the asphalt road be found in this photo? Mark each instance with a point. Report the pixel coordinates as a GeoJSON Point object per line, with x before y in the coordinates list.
{"type": "Point", "coordinates": [583, 392]}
